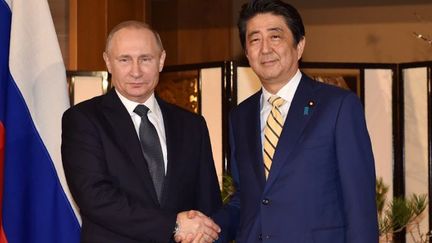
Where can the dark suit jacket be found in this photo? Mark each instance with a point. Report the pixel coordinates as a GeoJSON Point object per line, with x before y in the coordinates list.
{"type": "Point", "coordinates": [321, 187]}
{"type": "Point", "coordinates": [109, 179]}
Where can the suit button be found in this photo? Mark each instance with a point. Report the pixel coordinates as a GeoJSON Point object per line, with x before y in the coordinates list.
{"type": "Point", "coordinates": [265, 201]}
{"type": "Point", "coordinates": [267, 237]}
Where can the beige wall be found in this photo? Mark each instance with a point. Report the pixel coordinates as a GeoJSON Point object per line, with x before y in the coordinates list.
{"type": "Point", "coordinates": [349, 34]}
{"type": "Point", "coordinates": [375, 43]}
{"type": "Point", "coordinates": [369, 34]}
{"type": "Point", "coordinates": [382, 34]}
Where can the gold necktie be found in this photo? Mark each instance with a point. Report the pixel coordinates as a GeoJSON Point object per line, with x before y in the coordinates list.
{"type": "Point", "coordinates": [272, 131]}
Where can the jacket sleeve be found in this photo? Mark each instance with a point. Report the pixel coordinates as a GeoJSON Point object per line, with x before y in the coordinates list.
{"type": "Point", "coordinates": [228, 218]}
{"type": "Point", "coordinates": [357, 172]}
{"type": "Point", "coordinates": [208, 197]}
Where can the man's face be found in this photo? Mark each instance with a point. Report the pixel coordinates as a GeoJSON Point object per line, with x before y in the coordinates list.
{"type": "Point", "coordinates": [134, 60]}
{"type": "Point", "coordinates": [271, 51]}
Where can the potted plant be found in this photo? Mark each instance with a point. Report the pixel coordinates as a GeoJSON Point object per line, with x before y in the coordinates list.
{"type": "Point", "coordinates": [399, 214]}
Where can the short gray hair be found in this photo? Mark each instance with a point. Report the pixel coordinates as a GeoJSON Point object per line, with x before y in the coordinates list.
{"type": "Point", "coordinates": [132, 24]}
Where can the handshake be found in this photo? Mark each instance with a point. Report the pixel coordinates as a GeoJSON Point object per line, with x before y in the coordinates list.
{"type": "Point", "coordinates": [194, 227]}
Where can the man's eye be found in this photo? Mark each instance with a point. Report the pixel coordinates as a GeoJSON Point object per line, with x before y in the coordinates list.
{"type": "Point", "coordinates": [145, 59]}
{"type": "Point", "coordinates": [276, 37]}
{"type": "Point", "coordinates": [254, 40]}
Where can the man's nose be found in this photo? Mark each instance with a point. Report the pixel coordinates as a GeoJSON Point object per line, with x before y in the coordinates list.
{"type": "Point", "coordinates": [136, 69]}
{"type": "Point", "coordinates": [266, 46]}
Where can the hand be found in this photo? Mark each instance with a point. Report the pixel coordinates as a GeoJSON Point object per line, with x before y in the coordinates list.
{"type": "Point", "coordinates": [195, 227]}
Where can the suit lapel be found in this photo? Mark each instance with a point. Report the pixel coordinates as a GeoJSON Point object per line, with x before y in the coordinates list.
{"type": "Point", "coordinates": [253, 136]}
{"type": "Point", "coordinates": [298, 116]}
{"type": "Point", "coordinates": [124, 133]}
{"type": "Point", "coordinates": [173, 137]}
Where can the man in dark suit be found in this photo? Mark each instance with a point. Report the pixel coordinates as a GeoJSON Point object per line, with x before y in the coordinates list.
{"type": "Point", "coordinates": [301, 159]}
{"type": "Point", "coordinates": [135, 164]}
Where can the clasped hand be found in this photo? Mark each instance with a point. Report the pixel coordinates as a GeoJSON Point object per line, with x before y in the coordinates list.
{"type": "Point", "coordinates": [195, 227]}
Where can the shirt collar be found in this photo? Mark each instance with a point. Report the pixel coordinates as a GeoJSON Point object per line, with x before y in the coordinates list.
{"type": "Point", "coordinates": [151, 103]}
{"type": "Point", "coordinates": [287, 91]}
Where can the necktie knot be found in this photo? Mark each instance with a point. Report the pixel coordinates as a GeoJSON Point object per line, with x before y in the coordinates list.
{"type": "Point", "coordinates": [276, 101]}
{"type": "Point", "coordinates": [141, 110]}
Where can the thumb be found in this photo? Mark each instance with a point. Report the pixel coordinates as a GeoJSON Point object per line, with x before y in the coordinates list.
{"type": "Point", "coordinates": [192, 214]}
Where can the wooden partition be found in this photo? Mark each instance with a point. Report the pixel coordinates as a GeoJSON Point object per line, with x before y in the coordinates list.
{"type": "Point", "coordinates": [417, 133]}
{"type": "Point", "coordinates": [90, 23]}
{"type": "Point", "coordinates": [203, 89]}
{"type": "Point", "coordinates": [397, 99]}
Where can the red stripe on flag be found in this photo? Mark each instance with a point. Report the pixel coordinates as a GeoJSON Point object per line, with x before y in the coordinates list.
{"type": "Point", "coordinates": [2, 145]}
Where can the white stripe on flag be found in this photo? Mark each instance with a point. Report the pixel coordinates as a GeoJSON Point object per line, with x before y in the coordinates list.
{"type": "Point", "coordinates": [37, 67]}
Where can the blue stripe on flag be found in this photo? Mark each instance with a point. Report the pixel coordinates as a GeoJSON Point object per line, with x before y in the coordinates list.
{"type": "Point", "coordinates": [35, 208]}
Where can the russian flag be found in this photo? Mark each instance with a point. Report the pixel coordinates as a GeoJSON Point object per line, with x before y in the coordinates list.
{"type": "Point", "coordinates": [35, 202]}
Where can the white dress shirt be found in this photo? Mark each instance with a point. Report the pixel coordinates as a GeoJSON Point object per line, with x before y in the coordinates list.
{"type": "Point", "coordinates": [155, 117]}
{"type": "Point", "coordinates": [287, 93]}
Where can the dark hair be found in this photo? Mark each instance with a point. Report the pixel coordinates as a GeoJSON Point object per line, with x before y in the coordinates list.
{"type": "Point", "coordinates": [288, 12]}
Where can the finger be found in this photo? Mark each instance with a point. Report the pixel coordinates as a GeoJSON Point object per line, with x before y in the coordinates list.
{"type": "Point", "coordinates": [178, 238]}
{"type": "Point", "coordinates": [186, 241]}
{"type": "Point", "coordinates": [198, 238]}
{"type": "Point", "coordinates": [210, 233]}
{"type": "Point", "coordinates": [206, 239]}
{"type": "Point", "coordinates": [190, 237]}
{"type": "Point", "coordinates": [196, 213]}
{"type": "Point", "coordinates": [210, 223]}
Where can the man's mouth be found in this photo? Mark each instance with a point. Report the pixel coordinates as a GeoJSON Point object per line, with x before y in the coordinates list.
{"type": "Point", "coordinates": [268, 62]}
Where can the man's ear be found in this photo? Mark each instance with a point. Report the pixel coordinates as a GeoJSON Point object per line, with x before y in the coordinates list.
{"type": "Point", "coordinates": [300, 47]}
{"type": "Point", "coordinates": [162, 60]}
{"type": "Point", "coordinates": [107, 61]}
